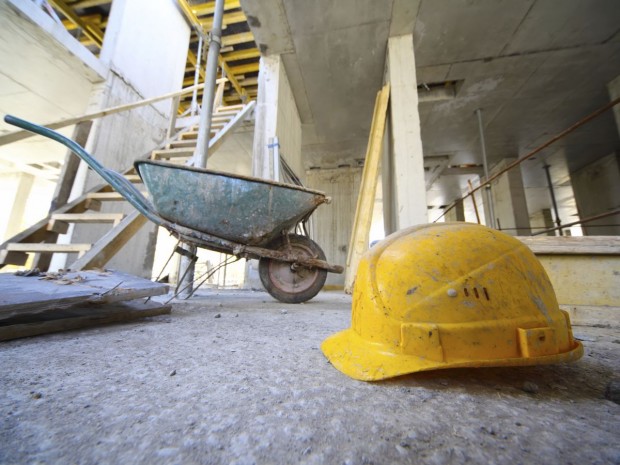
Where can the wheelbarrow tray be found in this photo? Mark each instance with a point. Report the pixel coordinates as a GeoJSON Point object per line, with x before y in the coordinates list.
{"type": "Point", "coordinates": [242, 209]}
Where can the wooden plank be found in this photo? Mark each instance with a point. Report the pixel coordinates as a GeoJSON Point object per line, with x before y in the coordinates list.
{"type": "Point", "coordinates": [593, 315]}
{"type": "Point", "coordinates": [575, 245]}
{"type": "Point", "coordinates": [108, 196]}
{"type": "Point", "coordinates": [78, 317]}
{"type": "Point", "coordinates": [59, 227]}
{"type": "Point", "coordinates": [47, 248]}
{"type": "Point", "coordinates": [106, 247]}
{"type": "Point", "coordinates": [20, 295]}
{"type": "Point", "coordinates": [172, 153]}
{"type": "Point", "coordinates": [368, 188]}
{"type": "Point", "coordinates": [584, 279]}
{"type": "Point", "coordinates": [88, 217]}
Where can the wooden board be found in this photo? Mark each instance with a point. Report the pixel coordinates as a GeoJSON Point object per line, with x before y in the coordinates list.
{"type": "Point", "coordinates": [20, 294]}
{"type": "Point", "coordinates": [76, 317]}
{"type": "Point", "coordinates": [358, 243]}
{"type": "Point", "coordinates": [576, 245]}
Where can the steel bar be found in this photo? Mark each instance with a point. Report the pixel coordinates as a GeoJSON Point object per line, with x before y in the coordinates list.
{"type": "Point", "coordinates": [587, 220]}
{"type": "Point", "coordinates": [491, 221]}
{"type": "Point", "coordinates": [538, 149]}
{"type": "Point", "coordinates": [558, 222]}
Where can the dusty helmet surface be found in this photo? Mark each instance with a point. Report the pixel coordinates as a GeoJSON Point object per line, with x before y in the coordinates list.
{"type": "Point", "coordinates": [450, 295]}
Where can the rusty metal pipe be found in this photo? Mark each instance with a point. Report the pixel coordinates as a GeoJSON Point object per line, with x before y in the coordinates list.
{"type": "Point", "coordinates": [587, 220]}
{"type": "Point", "coordinates": [551, 141]}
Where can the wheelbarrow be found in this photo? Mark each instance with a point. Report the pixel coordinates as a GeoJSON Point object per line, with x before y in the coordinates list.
{"type": "Point", "coordinates": [238, 215]}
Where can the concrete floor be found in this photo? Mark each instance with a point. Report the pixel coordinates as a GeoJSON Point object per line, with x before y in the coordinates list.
{"type": "Point", "coordinates": [252, 386]}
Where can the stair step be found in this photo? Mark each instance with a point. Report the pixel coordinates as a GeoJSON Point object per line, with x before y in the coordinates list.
{"type": "Point", "coordinates": [48, 248]}
{"type": "Point", "coordinates": [187, 143]}
{"type": "Point", "coordinates": [228, 108]}
{"type": "Point", "coordinates": [193, 135]}
{"type": "Point", "coordinates": [88, 217]}
{"type": "Point", "coordinates": [172, 153]}
{"type": "Point", "coordinates": [214, 125]}
{"type": "Point", "coordinates": [112, 196]}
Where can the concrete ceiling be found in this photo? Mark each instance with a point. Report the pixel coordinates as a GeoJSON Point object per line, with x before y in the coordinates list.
{"type": "Point", "coordinates": [534, 67]}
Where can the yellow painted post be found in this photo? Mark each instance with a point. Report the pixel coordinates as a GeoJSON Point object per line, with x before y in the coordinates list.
{"type": "Point", "coordinates": [368, 188]}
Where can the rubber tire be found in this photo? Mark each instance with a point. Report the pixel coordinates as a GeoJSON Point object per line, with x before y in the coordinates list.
{"type": "Point", "coordinates": [315, 277]}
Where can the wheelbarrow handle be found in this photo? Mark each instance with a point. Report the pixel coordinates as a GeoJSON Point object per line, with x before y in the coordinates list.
{"type": "Point", "coordinates": [116, 180]}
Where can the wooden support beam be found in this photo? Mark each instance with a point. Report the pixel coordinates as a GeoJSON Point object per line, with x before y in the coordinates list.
{"type": "Point", "coordinates": [241, 54]}
{"type": "Point", "coordinates": [113, 218]}
{"type": "Point", "coordinates": [48, 248]}
{"type": "Point", "coordinates": [106, 247]}
{"type": "Point", "coordinates": [243, 69]}
{"type": "Point", "coordinates": [358, 244]}
{"type": "Point", "coordinates": [235, 39]}
{"type": "Point", "coordinates": [89, 29]}
{"type": "Point", "coordinates": [208, 8]}
{"type": "Point", "coordinates": [232, 17]}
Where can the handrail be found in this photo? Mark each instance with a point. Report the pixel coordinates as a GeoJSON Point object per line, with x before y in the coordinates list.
{"type": "Point", "coordinates": [554, 139]}
{"type": "Point", "coordinates": [20, 135]}
{"type": "Point", "coordinates": [120, 184]}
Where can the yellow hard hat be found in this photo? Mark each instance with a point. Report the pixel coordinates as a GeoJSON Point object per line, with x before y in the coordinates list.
{"type": "Point", "coordinates": [450, 295]}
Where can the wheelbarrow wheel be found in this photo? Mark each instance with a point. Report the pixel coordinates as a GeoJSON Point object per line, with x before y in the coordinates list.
{"type": "Point", "coordinates": [288, 282]}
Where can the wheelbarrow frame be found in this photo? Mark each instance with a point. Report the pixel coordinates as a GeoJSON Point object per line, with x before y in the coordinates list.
{"type": "Point", "coordinates": [183, 233]}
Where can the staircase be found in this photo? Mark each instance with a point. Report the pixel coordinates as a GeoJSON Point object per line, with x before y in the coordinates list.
{"type": "Point", "coordinates": [41, 238]}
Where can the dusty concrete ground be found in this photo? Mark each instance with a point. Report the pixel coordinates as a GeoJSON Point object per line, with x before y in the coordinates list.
{"type": "Point", "coordinates": [252, 386]}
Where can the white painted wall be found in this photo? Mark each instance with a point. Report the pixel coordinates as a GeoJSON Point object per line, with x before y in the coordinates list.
{"type": "Point", "coordinates": [143, 63]}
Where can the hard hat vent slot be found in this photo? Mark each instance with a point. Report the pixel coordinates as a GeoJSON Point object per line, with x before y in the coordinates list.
{"type": "Point", "coordinates": [477, 293]}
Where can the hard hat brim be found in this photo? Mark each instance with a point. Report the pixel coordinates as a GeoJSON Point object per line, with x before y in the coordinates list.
{"type": "Point", "coordinates": [367, 361]}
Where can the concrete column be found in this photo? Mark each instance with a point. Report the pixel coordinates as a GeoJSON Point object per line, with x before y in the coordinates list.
{"type": "Point", "coordinates": [405, 163]}
{"type": "Point", "coordinates": [542, 220]}
{"type": "Point", "coordinates": [509, 201]}
{"type": "Point", "coordinates": [597, 190]}
{"type": "Point", "coordinates": [18, 187]}
{"type": "Point", "coordinates": [142, 63]}
{"type": "Point", "coordinates": [457, 213]}
{"type": "Point", "coordinates": [276, 116]}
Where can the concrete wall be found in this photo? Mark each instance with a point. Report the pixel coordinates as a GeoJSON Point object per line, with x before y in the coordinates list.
{"type": "Point", "coordinates": [332, 224]}
{"type": "Point", "coordinates": [143, 63]}
{"type": "Point", "coordinates": [597, 190]}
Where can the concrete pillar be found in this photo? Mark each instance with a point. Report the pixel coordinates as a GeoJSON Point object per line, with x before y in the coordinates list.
{"type": "Point", "coordinates": [405, 160]}
{"type": "Point", "coordinates": [457, 213]}
{"type": "Point", "coordinates": [542, 220]}
{"type": "Point", "coordinates": [276, 116]}
{"type": "Point", "coordinates": [16, 186]}
{"type": "Point", "coordinates": [597, 190]}
{"type": "Point", "coordinates": [509, 201]}
{"type": "Point", "coordinates": [142, 63]}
